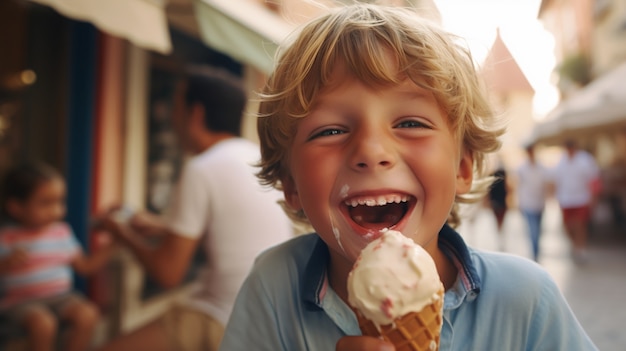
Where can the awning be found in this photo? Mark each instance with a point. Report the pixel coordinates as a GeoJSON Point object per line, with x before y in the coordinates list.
{"type": "Point", "coordinates": [142, 22]}
{"type": "Point", "coordinates": [598, 107]}
{"type": "Point", "coordinates": [242, 29]}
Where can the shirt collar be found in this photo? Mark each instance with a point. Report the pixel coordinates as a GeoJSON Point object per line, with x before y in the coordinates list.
{"type": "Point", "coordinates": [467, 286]}
{"type": "Point", "coordinates": [315, 282]}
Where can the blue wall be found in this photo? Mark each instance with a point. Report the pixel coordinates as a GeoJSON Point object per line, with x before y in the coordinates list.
{"type": "Point", "coordinates": [81, 116]}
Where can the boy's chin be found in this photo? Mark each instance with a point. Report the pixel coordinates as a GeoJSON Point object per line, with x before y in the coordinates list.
{"type": "Point", "coordinates": [349, 239]}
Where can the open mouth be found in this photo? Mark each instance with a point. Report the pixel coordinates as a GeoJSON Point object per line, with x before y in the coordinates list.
{"type": "Point", "coordinates": [378, 212]}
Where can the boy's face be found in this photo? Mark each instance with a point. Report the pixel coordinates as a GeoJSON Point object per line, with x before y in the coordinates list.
{"type": "Point", "coordinates": [46, 205]}
{"type": "Point", "coordinates": [368, 159]}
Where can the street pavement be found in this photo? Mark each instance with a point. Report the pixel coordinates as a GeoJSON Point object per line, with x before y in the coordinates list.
{"type": "Point", "coordinates": [595, 290]}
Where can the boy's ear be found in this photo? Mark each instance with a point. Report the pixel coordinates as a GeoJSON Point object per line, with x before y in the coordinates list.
{"type": "Point", "coordinates": [292, 198]}
{"type": "Point", "coordinates": [465, 173]}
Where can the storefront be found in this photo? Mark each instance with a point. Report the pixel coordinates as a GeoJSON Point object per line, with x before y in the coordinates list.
{"type": "Point", "coordinates": [89, 90]}
{"type": "Point", "coordinates": [598, 108]}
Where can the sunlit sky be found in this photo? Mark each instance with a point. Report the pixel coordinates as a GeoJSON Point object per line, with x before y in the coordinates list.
{"type": "Point", "coordinates": [530, 44]}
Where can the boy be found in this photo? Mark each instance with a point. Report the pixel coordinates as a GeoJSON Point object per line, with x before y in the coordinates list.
{"type": "Point", "coordinates": [375, 119]}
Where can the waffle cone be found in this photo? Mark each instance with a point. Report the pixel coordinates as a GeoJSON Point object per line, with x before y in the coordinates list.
{"type": "Point", "coordinates": [415, 331]}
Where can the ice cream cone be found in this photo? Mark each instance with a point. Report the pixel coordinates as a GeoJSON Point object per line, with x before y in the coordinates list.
{"type": "Point", "coordinates": [395, 288]}
{"type": "Point", "coordinates": [415, 331]}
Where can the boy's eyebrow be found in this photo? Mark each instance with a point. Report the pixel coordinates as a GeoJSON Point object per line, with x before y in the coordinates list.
{"type": "Point", "coordinates": [417, 96]}
{"type": "Point", "coordinates": [413, 92]}
{"type": "Point", "coordinates": [416, 93]}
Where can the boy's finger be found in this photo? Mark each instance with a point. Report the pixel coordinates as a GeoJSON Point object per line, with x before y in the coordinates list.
{"type": "Point", "coordinates": [363, 343]}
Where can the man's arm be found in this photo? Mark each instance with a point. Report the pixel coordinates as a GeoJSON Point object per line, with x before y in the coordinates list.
{"type": "Point", "coordinates": [148, 224]}
{"type": "Point", "coordinates": [166, 262]}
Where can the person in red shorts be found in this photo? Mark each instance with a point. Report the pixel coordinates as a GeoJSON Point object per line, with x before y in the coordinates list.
{"type": "Point", "coordinates": [574, 179]}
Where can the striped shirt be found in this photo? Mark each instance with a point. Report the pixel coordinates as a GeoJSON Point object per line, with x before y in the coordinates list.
{"type": "Point", "coordinates": [47, 270]}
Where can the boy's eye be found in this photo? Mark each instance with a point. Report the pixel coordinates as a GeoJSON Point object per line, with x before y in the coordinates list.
{"type": "Point", "coordinates": [411, 124]}
{"type": "Point", "coordinates": [327, 132]}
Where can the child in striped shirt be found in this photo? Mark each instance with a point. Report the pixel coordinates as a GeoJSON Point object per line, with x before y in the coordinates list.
{"type": "Point", "coordinates": [38, 252]}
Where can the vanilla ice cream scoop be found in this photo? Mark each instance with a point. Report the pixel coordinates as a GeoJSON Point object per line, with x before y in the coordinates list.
{"type": "Point", "coordinates": [392, 277]}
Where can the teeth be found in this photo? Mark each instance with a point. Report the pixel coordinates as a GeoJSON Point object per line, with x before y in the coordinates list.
{"type": "Point", "coordinates": [378, 201]}
{"type": "Point", "coordinates": [381, 201]}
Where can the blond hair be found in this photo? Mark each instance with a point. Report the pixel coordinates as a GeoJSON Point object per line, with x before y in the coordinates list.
{"type": "Point", "coordinates": [362, 38]}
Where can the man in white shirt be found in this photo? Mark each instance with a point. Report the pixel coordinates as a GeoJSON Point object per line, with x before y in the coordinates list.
{"type": "Point", "coordinates": [218, 205]}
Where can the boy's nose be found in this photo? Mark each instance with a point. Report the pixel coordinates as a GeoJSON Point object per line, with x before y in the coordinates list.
{"type": "Point", "coordinates": [372, 150]}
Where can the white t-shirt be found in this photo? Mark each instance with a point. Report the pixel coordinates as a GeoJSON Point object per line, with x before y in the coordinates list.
{"type": "Point", "coordinates": [219, 200]}
{"type": "Point", "coordinates": [572, 177]}
{"type": "Point", "coordinates": [532, 180]}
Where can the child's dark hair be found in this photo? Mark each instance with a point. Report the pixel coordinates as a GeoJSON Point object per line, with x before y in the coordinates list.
{"type": "Point", "coordinates": [21, 181]}
{"type": "Point", "coordinates": [221, 94]}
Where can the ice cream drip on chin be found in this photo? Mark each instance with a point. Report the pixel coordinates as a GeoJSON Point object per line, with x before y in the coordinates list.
{"type": "Point", "coordinates": [338, 237]}
{"type": "Point", "coordinates": [343, 193]}
{"type": "Point", "coordinates": [393, 276]}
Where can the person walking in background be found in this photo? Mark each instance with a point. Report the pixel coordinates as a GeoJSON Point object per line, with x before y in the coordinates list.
{"type": "Point", "coordinates": [532, 180]}
{"type": "Point", "coordinates": [218, 205]}
{"type": "Point", "coordinates": [37, 254]}
{"type": "Point", "coordinates": [574, 178]}
{"type": "Point", "coordinates": [497, 198]}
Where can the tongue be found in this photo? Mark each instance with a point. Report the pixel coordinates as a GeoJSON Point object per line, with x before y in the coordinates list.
{"type": "Point", "coordinates": [377, 217]}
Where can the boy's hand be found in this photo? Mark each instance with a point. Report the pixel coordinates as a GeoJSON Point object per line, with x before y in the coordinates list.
{"type": "Point", "coordinates": [363, 343]}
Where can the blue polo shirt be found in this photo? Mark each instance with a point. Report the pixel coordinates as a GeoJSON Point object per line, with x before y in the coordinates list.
{"type": "Point", "coordinates": [499, 302]}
